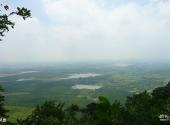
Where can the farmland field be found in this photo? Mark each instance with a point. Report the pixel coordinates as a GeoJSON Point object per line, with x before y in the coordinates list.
{"type": "Point", "coordinates": [28, 85]}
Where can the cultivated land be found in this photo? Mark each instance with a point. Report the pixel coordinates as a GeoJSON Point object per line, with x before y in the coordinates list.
{"type": "Point", "coordinates": [27, 86]}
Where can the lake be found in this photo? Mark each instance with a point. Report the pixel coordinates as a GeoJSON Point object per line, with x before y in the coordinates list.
{"type": "Point", "coordinates": [90, 87]}
{"type": "Point", "coordinates": [81, 75]}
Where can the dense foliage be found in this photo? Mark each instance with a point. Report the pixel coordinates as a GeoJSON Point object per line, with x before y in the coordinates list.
{"type": "Point", "coordinates": [139, 109]}
{"type": "Point", "coordinates": [3, 111]}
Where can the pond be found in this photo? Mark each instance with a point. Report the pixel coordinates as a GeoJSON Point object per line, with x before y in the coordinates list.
{"type": "Point", "coordinates": [90, 87]}
{"type": "Point", "coordinates": [81, 75]}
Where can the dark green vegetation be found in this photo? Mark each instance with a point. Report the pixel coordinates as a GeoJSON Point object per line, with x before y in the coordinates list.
{"type": "Point", "coordinates": [139, 109]}
{"type": "Point", "coordinates": [6, 12]}
{"type": "Point", "coordinates": [3, 111]}
{"type": "Point", "coordinates": [117, 81]}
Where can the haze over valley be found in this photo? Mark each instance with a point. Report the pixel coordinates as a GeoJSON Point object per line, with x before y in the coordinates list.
{"type": "Point", "coordinates": [80, 83]}
{"type": "Point", "coordinates": [84, 62]}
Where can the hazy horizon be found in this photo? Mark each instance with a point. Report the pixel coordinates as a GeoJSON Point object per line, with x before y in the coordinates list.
{"type": "Point", "coordinates": [89, 31]}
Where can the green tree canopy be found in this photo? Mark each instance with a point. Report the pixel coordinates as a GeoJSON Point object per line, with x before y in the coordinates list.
{"type": "Point", "coordinates": [6, 12]}
{"type": "Point", "coordinates": [3, 111]}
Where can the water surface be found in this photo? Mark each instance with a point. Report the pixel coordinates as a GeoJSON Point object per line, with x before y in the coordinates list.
{"type": "Point", "coordinates": [81, 75]}
{"type": "Point", "coordinates": [90, 87]}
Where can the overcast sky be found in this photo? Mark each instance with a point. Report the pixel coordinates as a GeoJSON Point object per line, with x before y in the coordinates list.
{"type": "Point", "coordinates": [89, 30]}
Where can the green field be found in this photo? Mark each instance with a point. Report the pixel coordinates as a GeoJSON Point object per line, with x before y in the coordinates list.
{"type": "Point", "coordinates": [27, 86]}
{"type": "Point", "coordinates": [16, 112]}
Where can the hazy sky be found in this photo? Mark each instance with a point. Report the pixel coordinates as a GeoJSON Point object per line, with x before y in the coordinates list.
{"type": "Point", "coordinates": [89, 30]}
